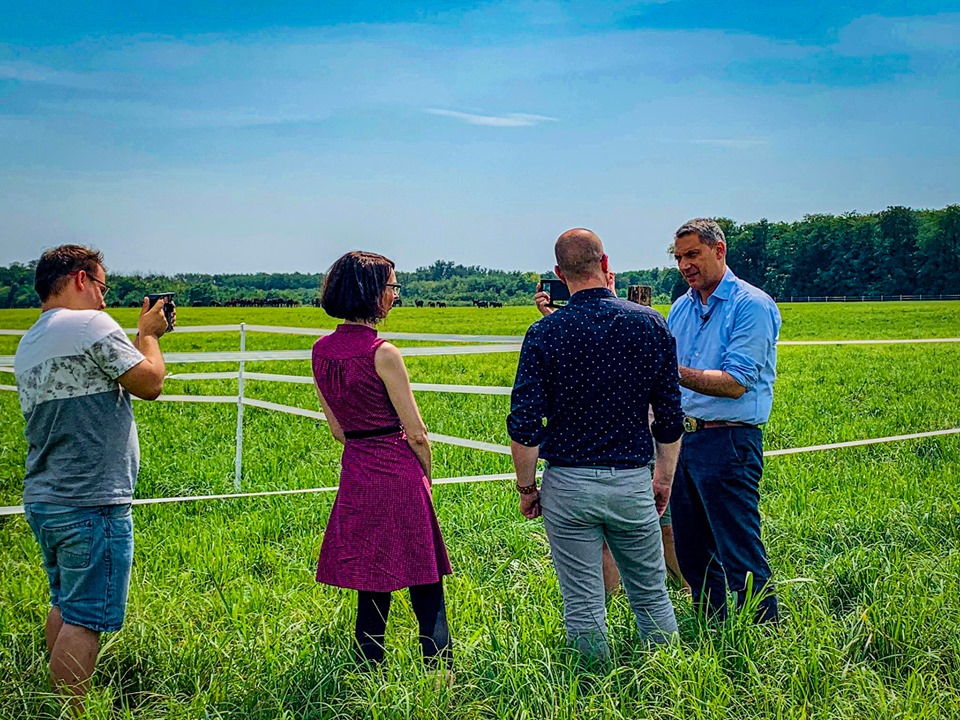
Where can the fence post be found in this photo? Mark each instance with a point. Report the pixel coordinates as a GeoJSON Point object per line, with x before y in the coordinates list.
{"type": "Point", "coordinates": [238, 460]}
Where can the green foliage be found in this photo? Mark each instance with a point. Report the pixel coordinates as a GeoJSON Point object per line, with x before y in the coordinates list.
{"type": "Point", "coordinates": [895, 252]}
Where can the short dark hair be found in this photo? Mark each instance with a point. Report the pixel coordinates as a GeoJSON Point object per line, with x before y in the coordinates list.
{"type": "Point", "coordinates": [55, 265]}
{"type": "Point", "coordinates": [709, 232]}
{"type": "Point", "coordinates": [354, 286]}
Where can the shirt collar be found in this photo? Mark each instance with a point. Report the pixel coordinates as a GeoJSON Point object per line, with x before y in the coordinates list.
{"type": "Point", "coordinates": [590, 294]}
{"type": "Point", "coordinates": [343, 327]}
{"type": "Point", "coordinates": [723, 292]}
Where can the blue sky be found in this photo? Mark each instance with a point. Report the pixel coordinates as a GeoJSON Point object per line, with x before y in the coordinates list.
{"type": "Point", "coordinates": [250, 136]}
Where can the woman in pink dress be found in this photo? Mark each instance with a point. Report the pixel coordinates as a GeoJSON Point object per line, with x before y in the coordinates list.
{"type": "Point", "coordinates": [383, 533]}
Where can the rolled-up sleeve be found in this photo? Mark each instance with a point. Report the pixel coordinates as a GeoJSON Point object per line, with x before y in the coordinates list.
{"type": "Point", "coordinates": [750, 343]}
{"type": "Point", "coordinates": [667, 426]}
{"type": "Point", "coordinates": [528, 400]}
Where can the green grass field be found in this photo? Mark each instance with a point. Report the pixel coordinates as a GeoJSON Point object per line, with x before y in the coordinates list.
{"type": "Point", "coordinates": [225, 620]}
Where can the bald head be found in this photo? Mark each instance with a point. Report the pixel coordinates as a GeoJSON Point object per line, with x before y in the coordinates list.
{"type": "Point", "coordinates": [580, 255]}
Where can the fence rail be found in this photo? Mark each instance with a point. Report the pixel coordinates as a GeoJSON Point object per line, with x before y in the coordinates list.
{"type": "Point", "coordinates": [862, 298]}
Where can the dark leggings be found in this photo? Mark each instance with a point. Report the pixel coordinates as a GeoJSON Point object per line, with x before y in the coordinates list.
{"type": "Point", "coordinates": [427, 600]}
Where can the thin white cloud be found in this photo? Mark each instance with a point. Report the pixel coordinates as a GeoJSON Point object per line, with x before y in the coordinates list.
{"type": "Point", "coordinates": [28, 72]}
{"type": "Point", "coordinates": [508, 120]}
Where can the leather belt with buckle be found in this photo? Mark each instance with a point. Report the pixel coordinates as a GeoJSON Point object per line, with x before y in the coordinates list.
{"type": "Point", "coordinates": [692, 424]}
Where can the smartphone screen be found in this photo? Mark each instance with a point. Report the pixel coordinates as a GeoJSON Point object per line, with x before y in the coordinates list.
{"type": "Point", "coordinates": [167, 308]}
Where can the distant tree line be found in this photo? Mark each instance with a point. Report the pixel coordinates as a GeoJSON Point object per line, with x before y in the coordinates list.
{"type": "Point", "coordinates": [897, 251]}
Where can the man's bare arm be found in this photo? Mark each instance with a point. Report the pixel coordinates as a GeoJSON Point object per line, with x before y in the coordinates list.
{"type": "Point", "coordinates": [716, 383]}
{"type": "Point", "coordinates": [145, 379]}
{"type": "Point", "coordinates": [525, 463]}
{"type": "Point", "coordinates": [663, 471]}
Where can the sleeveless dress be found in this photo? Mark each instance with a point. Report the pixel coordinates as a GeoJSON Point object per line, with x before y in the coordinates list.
{"type": "Point", "coordinates": [383, 533]}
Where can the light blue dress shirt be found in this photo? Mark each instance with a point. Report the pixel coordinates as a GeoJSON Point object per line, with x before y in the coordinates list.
{"type": "Point", "coordinates": [737, 332]}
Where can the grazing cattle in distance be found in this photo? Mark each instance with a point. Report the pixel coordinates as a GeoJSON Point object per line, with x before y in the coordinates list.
{"type": "Point", "coordinates": [418, 303]}
{"type": "Point", "coordinates": [487, 303]}
{"type": "Point", "coordinates": [265, 302]}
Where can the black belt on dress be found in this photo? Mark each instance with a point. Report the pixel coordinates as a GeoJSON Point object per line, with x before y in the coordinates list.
{"type": "Point", "coordinates": [376, 432]}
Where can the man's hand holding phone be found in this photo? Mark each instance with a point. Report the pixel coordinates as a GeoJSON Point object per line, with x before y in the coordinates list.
{"type": "Point", "coordinates": [542, 300]}
{"type": "Point", "coordinates": [155, 317]}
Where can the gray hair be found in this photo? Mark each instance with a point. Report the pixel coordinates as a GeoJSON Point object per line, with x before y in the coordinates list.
{"type": "Point", "coordinates": [704, 228]}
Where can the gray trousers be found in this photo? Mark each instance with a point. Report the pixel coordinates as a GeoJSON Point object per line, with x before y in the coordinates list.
{"type": "Point", "coordinates": [581, 508]}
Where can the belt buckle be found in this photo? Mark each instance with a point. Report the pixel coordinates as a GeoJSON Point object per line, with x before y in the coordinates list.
{"type": "Point", "coordinates": [690, 424]}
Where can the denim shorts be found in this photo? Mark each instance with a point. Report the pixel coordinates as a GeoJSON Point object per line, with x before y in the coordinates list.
{"type": "Point", "coordinates": [88, 554]}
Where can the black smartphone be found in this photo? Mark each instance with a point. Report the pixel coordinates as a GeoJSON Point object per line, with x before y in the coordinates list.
{"type": "Point", "coordinates": [167, 308]}
{"type": "Point", "coordinates": [557, 290]}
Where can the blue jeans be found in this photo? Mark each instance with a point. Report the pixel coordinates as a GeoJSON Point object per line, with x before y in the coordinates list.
{"type": "Point", "coordinates": [716, 520]}
{"type": "Point", "coordinates": [88, 554]}
{"type": "Point", "coordinates": [581, 508]}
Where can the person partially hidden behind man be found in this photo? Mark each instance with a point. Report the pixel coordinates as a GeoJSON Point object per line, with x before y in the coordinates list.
{"type": "Point", "coordinates": [726, 331]}
{"type": "Point", "coordinates": [591, 369]}
{"type": "Point", "coordinates": [75, 371]}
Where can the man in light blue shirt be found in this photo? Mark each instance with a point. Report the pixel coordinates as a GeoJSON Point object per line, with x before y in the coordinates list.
{"type": "Point", "coordinates": [726, 332]}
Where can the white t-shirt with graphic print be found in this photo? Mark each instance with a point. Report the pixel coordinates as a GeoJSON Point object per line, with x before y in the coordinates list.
{"type": "Point", "coordinates": [82, 447]}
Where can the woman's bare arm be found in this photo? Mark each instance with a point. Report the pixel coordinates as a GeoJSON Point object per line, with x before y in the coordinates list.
{"type": "Point", "coordinates": [335, 428]}
{"type": "Point", "coordinates": [389, 365]}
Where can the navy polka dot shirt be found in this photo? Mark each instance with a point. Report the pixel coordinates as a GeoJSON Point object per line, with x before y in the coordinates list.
{"type": "Point", "coordinates": [590, 370]}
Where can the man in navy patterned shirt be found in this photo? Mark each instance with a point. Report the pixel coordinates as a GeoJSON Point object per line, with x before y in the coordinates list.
{"type": "Point", "coordinates": [590, 370]}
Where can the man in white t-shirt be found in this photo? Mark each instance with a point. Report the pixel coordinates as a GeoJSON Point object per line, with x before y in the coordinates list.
{"type": "Point", "coordinates": [76, 370]}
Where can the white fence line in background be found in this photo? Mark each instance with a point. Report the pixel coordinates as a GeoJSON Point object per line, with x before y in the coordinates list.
{"type": "Point", "coordinates": [858, 443]}
{"type": "Point", "coordinates": [503, 344]}
{"type": "Point", "coordinates": [18, 509]}
{"type": "Point", "coordinates": [314, 415]}
{"type": "Point", "coordinates": [298, 355]}
{"type": "Point", "coordinates": [868, 342]}
{"type": "Point", "coordinates": [439, 350]}
{"type": "Point", "coordinates": [238, 458]}
{"type": "Point", "coordinates": [317, 332]}
{"type": "Point", "coordinates": [308, 380]}
{"type": "Point", "coordinates": [862, 298]}
{"type": "Point", "coordinates": [428, 337]}
{"type": "Point", "coordinates": [442, 337]}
